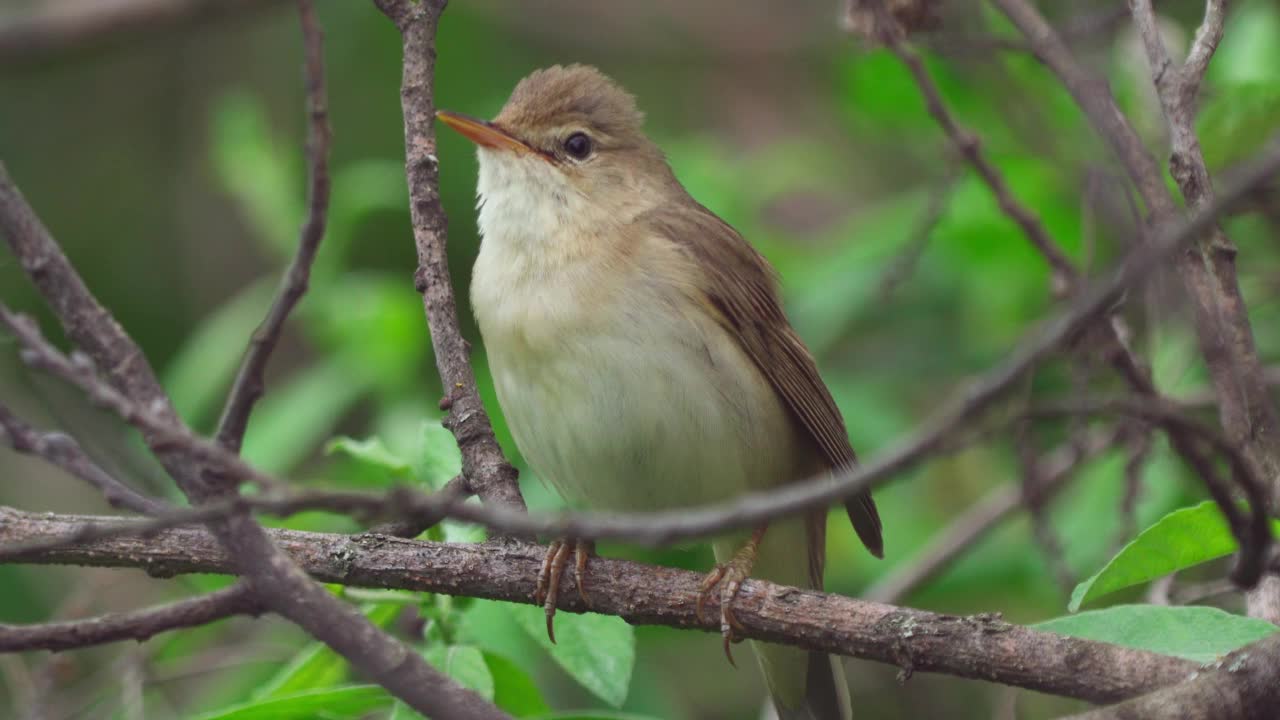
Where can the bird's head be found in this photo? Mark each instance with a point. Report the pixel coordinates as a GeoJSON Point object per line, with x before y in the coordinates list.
{"type": "Point", "coordinates": [566, 151]}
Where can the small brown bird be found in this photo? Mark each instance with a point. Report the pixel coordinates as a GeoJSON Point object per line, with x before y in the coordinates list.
{"type": "Point", "coordinates": [640, 352]}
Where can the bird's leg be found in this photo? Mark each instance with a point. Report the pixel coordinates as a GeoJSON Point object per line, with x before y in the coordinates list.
{"type": "Point", "coordinates": [729, 577]}
{"type": "Point", "coordinates": [553, 564]}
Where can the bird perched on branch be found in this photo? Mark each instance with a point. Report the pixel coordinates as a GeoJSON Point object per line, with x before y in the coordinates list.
{"type": "Point", "coordinates": [640, 352]}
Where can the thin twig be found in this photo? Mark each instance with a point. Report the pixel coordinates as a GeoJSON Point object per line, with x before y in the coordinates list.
{"type": "Point", "coordinates": [1254, 533]}
{"type": "Point", "coordinates": [975, 647]}
{"type": "Point", "coordinates": [63, 451]}
{"type": "Point", "coordinates": [986, 514]}
{"type": "Point", "coordinates": [138, 625]}
{"type": "Point", "coordinates": [250, 383]}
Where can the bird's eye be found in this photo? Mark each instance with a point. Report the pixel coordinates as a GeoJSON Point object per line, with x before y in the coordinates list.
{"type": "Point", "coordinates": [578, 145]}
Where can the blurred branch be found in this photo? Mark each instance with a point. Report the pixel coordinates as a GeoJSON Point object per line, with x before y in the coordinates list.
{"type": "Point", "coordinates": [980, 647]}
{"type": "Point", "coordinates": [63, 26]}
{"type": "Point", "coordinates": [1254, 534]}
{"type": "Point", "coordinates": [63, 451]}
{"type": "Point", "coordinates": [1065, 278]}
{"type": "Point", "coordinates": [486, 469]}
{"type": "Point", "coordinates": [961, 535]}
{"type": "Point", "coordinates": [250, 384]}
{"type": "Point", "coordinates": [1208, 269]}
{"type": "Point", "coordinates": [1241, 686]}
{"type": "Point", "coordinates": [138, 625]}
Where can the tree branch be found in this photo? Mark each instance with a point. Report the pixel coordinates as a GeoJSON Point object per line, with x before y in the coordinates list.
{"type": "Point", "coordinates": [63, 451]}
{"type": "Point", "coordinates": [1208, 271]}
{"type": "Point", "coordinates": [250, 384]}
{"type": "Point", "coordinates": [986, 514]}
{"type": "Point", "coordinates": [980, 647]}
{"type": "Point", "coordinates": [486, 469]}
{"type": "Point", "coordinates": [139, 625]}
{"type": "Point", "coordinates": [1241, 686]}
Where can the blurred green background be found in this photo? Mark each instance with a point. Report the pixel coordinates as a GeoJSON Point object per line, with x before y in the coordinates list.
{"type": "Point", "coordinates": [169, 164]}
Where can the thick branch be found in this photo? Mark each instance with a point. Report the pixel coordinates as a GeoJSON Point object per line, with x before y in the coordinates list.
{"type": "Point", "coordinates": [139, 625]}
{"type": "Point", "coordinates": [980, 647]}
{"type": "Point", "coordinates": [1242, 686]}
{"type": "Point", "coordinates": [488, 473]}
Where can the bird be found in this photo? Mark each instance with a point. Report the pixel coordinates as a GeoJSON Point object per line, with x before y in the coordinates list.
{"type": "Point", "coordinates": [641, 355]}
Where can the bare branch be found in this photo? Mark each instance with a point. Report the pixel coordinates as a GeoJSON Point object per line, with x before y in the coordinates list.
{"type": "Point", "coordinates": [487, 471]}
{"type": "Point", "coordinates": [63, 451]}
{"type": "Point", "coordinates": [139, 625]}
{"type": "Point", "coordinates": [1208, 272]}
{"type": "Point", "coordinates": [983, 516]}
{"type": "Point", "coordinates": [970, 147]}
{"type": "Point", "coordinates": [980, 647]}
{"type": "Point", "coordinates": [250, 384]}
{"type": "Point", "coordinates": [1241, 686]}
{"type": "Point", "coordinates": [1254, 534]}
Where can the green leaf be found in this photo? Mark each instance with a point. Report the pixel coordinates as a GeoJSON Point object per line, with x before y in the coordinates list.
{"type": "Point", "coordinates": [439, 460]}
{"type": "Point", "coordinates": [1197, 633]}
{"type": "Point", "coordinates": [513, 690]}
{"type": "Point", "coordinates": [262, 177]}
{"type": "Point", "coordinates": [1184, 537]}
{"type": "Point", "coordinates": [465, 664]}
{"type": "Point", "coordinates": [353, 701]}
{"type": "Point", "coordinates": [317, 666]}
{"type": "Point", "coordinates": [599, 651]}
{"type": "Point", "coordinates": [372, 453]}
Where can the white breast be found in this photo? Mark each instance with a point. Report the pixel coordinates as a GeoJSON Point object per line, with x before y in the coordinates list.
{"type": "Point", "coordinates": [617, 394]}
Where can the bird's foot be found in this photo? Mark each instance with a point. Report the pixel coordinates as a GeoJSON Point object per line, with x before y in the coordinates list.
{"type": "Point", "coordinates": [729, 577]}
{"type": "Point", "coordinates": [554, 562]}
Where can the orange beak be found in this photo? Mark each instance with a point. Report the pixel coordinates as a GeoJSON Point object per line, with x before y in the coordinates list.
{"type": "Point", "coordinates": [482, 132]}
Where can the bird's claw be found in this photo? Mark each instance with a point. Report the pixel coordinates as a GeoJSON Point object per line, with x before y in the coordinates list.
{"type": "Point", "coordinates": [547, 592]}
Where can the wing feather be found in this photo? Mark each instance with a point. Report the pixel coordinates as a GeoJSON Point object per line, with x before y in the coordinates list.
{"type": "Point", "coordinates": [740, 283]}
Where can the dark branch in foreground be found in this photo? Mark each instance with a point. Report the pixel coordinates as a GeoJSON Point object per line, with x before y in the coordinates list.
{"type": "Point", "coordinates": [138, 625]}
{"type": "Point", "coordinates": [980, 647]}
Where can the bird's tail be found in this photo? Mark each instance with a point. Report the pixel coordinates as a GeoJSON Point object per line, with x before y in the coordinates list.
{"type": "Point", "coordinates": [804, 685]}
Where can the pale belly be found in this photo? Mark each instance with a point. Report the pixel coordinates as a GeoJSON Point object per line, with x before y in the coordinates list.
{"type": "Point", "coordinates": [644, 413]}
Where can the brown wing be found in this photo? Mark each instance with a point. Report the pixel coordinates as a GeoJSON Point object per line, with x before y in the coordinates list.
{"type": "Point", "coordinates": [740, 283]}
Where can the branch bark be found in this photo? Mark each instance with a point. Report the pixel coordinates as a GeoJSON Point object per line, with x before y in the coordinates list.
{"type": "Point", "coordinates": [980, 647]}
{"type": "Point", "coordinates": [139, 625]}
{"type": "Point", "coordinates": [486, 469]}
{"type": "Point", "coordinates": [1242, 686]}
